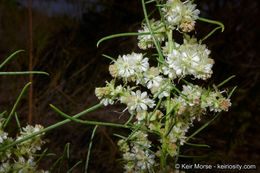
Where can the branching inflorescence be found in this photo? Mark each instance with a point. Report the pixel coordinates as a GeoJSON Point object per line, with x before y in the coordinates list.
{"type": "Point", "coordinates": [150, 92]}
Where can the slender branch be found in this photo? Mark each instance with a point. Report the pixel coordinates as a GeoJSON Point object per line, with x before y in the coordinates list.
{"type": "Point", "coordinates": [50, 127]}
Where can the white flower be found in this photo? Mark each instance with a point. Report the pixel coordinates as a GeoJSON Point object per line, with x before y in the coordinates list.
{"type": "Point", "coordinates": [32, 145]}
{"type": "Point", "coordinates": [169, 72]}
{"type": "Point", "coordinates": [191, 95]}
{"type": "Point", "coordinates": [178, 133]}
{"type": "Point", "coordinates": [163, 90]}
{"type": "Point", "coordinates": [124, 68]}
{"type": "Point", "coordinates": [138, 101]}
{"type": "Point", "coordinates": [141, 138]}
{"type": "Point", "coordinates": [215, 102]}
{"type": "Point", "coordinates": [145, 160]}
{"type": "Point", "coordinates": [190, 58]}
{"type": "Point", "coordinates": [152, 77]}
{"type": "Point", "coordinates": [139, 63]}
{"type": "Point", "coordinates": [181, 14]}
{"type": "Point", "coordinates": [129, 67]}
{"type": "Point", "coordinates": [141, 115]}
{"type": "Point", "coordinates": [107, 101]}
{"type": "Point", "coordinates": [3, 136]}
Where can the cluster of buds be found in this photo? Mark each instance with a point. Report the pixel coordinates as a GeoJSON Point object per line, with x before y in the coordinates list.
{"type": "Point", "coordinates": [20, 158]}
{"type": "Point", "coordinates": [151, 94]}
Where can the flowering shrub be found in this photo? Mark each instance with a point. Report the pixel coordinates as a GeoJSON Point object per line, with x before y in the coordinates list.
{"type": "Point", "coordinates": [163, 104]}
{"type": "Point", "coordinates": [150, 93]}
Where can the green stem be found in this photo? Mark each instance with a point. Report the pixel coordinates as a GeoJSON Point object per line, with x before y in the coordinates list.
{"type": "Point", "coordinates": [164, 137]}
{"type": "Point", "coordinates": [155, 40]}
{"type": "Point", "coordinates": [161, 15]}
{"type": "Point", "coordinates": [155, 109]}
{"type": "Point", "coordinates": [130, 119]}
{"type": "Point", "coordinates": [88, 122]}
{"type": "Point", "coordinates": [170, 42]}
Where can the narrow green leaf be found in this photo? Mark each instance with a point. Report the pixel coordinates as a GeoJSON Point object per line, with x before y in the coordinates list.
{"type": "Point", "coordinates": [231, 93]}
{"type": "Point", "coordinates": [197, 145]}
{"type": "Point", "coordinates": [212, 22]}
{"type": "Point", "coordinates": [42, 155]}
{"type": "Point", "coordinates": [15, 105]}
{"type": "Point", "coordinates": [68, 150]}
{"type": "Point", "coordinates": [23, 73]}
{"type": "Point", "coordinates": [121, 35]}
{"type": "Point", "coordinates": [203, 127]}
{"type": "Point", "coordinates": [225, 81]}
{"type": "Point", "coordinates": [55, 163]}
{"type": "Point", "coordinates": [50, 127]}
{"type": "Point", "coordinates": [209, 34]}
{"type": "Point", "coordinates": [2, 114]}
{"type": "Point", "coordinates": [18, 122]}
{"type": "Point", "coordinates": [148, 2]}
{"type": "Point", "coordinates": [73, 167]}
{"type": "Point", "coordinates": [10, 57]}
{"type": "Point", "coordinates": [89, 148]}
{"type": "Point", "coordinates": [109, 57]}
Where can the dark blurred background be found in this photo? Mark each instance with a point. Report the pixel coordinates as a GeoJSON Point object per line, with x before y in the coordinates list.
{"type": "Point", "coordinates": [65, 33]}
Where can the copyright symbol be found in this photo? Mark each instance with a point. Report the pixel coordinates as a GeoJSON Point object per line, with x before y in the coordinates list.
{"type": "Point", "coordinates": [177, 166]}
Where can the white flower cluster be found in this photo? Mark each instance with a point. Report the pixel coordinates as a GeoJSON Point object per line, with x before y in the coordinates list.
{"type": "Point", "coordinates": [20, 158]}
{"type": "Point", "coordinates": [129, 66]}
{"type": "Point", "coordinates": [137, 155]}
{"type": "Point", "coordinates": [151, 94]}
{"type": "Point", "coordinates": [190, 58]}
{"type": "Point", "coordinates": [181, 14]}
{"type": "Point", "coordinates": [196, 96]}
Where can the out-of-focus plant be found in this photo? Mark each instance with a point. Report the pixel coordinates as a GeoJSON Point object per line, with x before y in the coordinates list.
{"type": "Point", "coordinates": [160, 113]}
